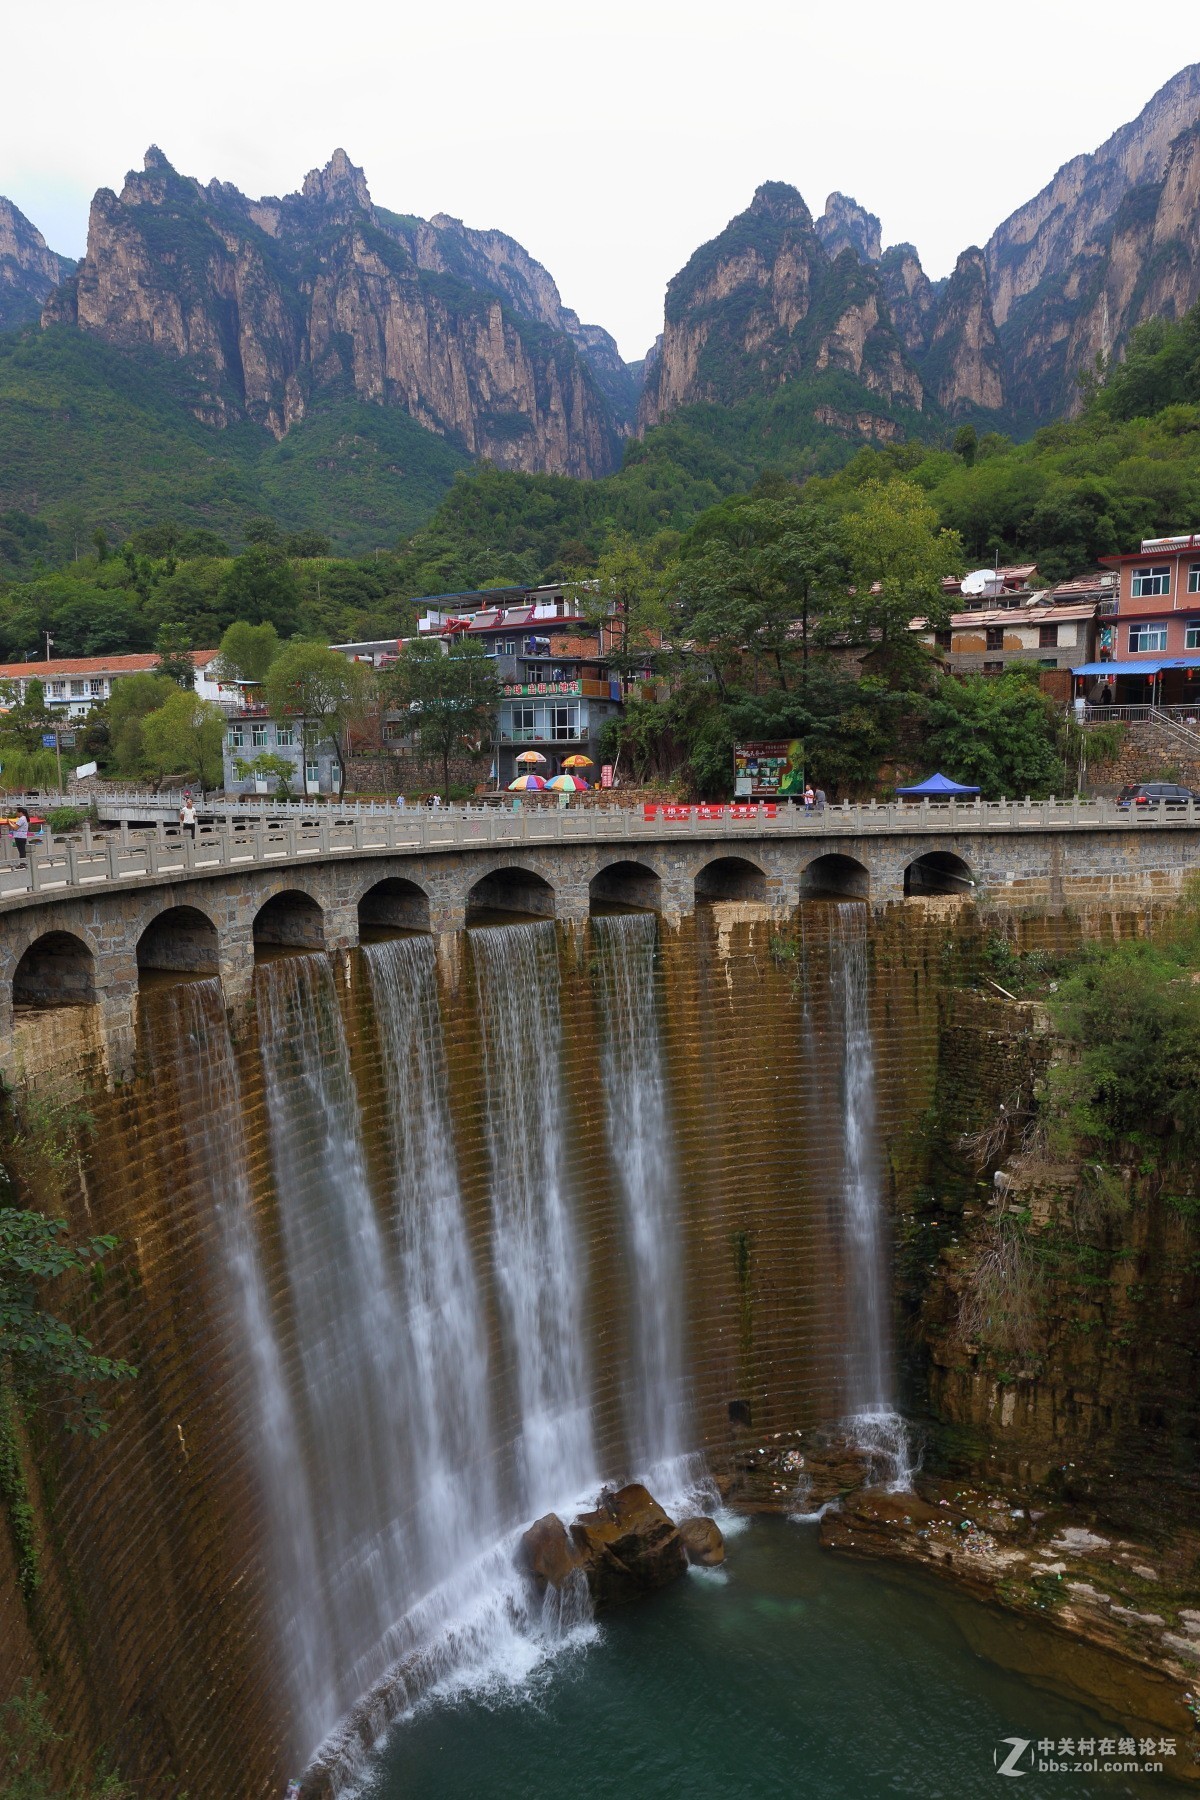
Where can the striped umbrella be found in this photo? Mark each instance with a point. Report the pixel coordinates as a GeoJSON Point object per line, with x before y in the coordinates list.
{"type": "Point", "coordinates": [531, 756]}
{"type": "Point", "coordinates": [577, 762]}
{"type": "Point", "coordinates": [569, 784]}
{"type": "Point", "coordinates": [525, 784]}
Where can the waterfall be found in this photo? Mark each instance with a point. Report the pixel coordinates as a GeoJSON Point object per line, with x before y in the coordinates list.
{"type": "Point", "coordinates": [538, 1257]}
{"type": "Point", "coordinates": [442, 1312]}
{"type": "Point", "coordinates": [355, 1375]}
{"type": "Point", "coordinates": [874, 1424]}
{"type": "Point", "coordinates": [641, 1148]}
{"type": "Point", "coordinates": [190, 1033]}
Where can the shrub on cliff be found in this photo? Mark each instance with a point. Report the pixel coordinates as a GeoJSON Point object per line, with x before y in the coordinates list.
{"type": "Point", "coordinates": [1132, 1011]}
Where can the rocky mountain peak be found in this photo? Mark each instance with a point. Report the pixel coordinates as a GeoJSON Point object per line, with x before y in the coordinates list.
{"type": "Point", "coordinates": [845, 225]}
{"type": "Point", "coordinates": [781, 203]}
{"type": "Point", "coordinates": [29, 269]}
{"type": "Point", "coordinates": [338, 183]}
{"type": "Point", "coordinates": [156, 159]}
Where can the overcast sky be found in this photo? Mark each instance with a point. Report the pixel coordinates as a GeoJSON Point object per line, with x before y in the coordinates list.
{"type": "Point", "coordinates": [611, 140]}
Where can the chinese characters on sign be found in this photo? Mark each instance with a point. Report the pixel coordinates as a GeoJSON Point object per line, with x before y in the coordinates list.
{"type": "Point", "coordinates": [765, 770]}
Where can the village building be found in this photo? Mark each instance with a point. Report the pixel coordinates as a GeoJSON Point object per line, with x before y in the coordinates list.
{"type": "Point", "coordinates": [1148, 652]}
{"type": "Point", "coordinates": [557, 688]}
{"type": "Point", "coordinates": [73, 685]}
{"type": "Point", "coordinates": [1011, 620]}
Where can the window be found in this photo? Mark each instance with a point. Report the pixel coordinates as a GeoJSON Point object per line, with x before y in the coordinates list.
{"type": "Point", "coordinates": [524, 722]}
{"type": "Point", "coordinates": [994, 637]}
{"type": "Point", "coordinates": [312, 774]}
{"type": "Point", "coordinates": [1047, 662]}
{"type": "Point", "coordinates": [58, 689]}
{"type": "Point", "coordinates": [1047, 637]}
{"type": "Point", "coordinates": [564, 722]}
{"type": "Point", "coordinates": [943, 640]}
{"type": "Point", "coordinates": [96, 687]}
{"type": "Point", "coordinates": [1151, 581]}
{"type": "Point", "coordinates": [1194, 578]}
{"type": "Point", "coordinates": [237, 737]}
{"type": "Point", "coordinates": [1191, 637]}
{"type": "Point", "coordinates": [993, 668]}
{"type": "Point", "coordinates": [77, 690]}
{"type": "Point", "coordinates": [283, 737]}
{"type": "Point", "coordinates": [1147, 637]}
{"type": "Point", "coordinates": [258, 737]}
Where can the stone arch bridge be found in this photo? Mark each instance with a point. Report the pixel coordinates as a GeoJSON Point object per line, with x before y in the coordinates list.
{"type": "Point", "coordinates": [87, 921]}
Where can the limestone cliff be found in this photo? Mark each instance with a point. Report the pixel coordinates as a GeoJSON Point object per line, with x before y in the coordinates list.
{"type": "Point", "coordinates": [962, 366]}
{"type": "Point", "coordinates": [764, 303]}
{"type": "Point", "coordinates": [273, 303]}
{"type": "Point", "coordinates": [845, 225]}
{"type": "Point", "coordinates": [1111, 241]}
{"type": "Point", "coordinates": [910, 295]}
{"type": "Point", "coordinates": [29, 269]}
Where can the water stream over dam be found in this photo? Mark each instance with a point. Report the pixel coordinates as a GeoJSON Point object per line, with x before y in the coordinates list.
{"type": "Point", "coordinates": [478, 1236]}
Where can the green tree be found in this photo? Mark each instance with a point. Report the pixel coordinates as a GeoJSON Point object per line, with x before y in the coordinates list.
{"type": "Point", "coordinates": [998, 733]}
{"type": "Point", "coordinates": [966, 444]}
{"type": "Point", "coordinates": [262, 530]}
{"type": "Point", "coordinates": [322, 691]}
{"type": "Point", "coordinates": [173, 647]}
{"type": "Point", "coordinates": [133, 698]}
{"type": "Point", "coordinates": [305, 544]}
{"type": "Point", "coordinates": [246, 652]}
{"type": "Point", "coordinates": [452, 696]}
{"type": "Point", "coordinates": [44, 1362]}
{"type": "Point", "coordinates": [26, 1740]}
{"type": "Point", "coordinates": [185, 737]}
{"type": "Point", "coordinates": [266, 767]}
{"type": "Point", "coordinates": [624, 594]}
{"type": "Point", "coordinates": [260, 587]}
{"type": "Point", "coordinates": [896, 557]}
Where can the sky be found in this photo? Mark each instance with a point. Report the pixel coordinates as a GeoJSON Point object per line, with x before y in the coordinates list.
{"type": "Point", "coordinates": [610, 141]}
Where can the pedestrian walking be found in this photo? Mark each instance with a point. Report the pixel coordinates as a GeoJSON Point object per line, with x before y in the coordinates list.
{"type": "Point", "coordinates": [400, 802]}
{"type": "Point", "coordinates": [187, 817]}
{"type": "Point", "coordinates": [20, 833]}
{"type": "Point", "coordinates": [809, 799]}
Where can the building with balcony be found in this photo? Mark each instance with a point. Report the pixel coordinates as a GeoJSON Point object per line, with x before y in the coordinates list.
{"type": "Point", "coordinates": [73, 685]}
{"type": "Point", "coordinates": [1149, 645]}
{"type": "Point", "coordinates": [557, 689]}
{"type": "Point", "coordinates": [1011, 621]}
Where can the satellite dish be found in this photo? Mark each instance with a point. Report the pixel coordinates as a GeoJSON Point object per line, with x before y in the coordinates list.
{"type": "Point", "coordinates": [978, 581]}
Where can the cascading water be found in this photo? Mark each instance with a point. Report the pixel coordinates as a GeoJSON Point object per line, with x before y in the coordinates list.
{"type": "Point", "coordinates": [355, 1374]}
{"type": "Point", "coordinates": [638, 1119]}
{"type": "Point", "coordinates": [191, 1035]}
{"type": "Point", "coordinates": [539, 1260]}
{"type": "Point", "coordinates": [874, 1425]}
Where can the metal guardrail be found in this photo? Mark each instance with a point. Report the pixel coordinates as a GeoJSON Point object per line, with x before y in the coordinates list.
{"type": "Point", "coordinates": [91, 861]}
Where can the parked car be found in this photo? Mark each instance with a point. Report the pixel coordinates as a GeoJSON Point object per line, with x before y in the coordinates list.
{"type": "Point", "coordinates": [1155, 793]}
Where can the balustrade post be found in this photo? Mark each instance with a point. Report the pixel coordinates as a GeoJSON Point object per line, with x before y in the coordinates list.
{"type": "Point", "coordinates": [124, 829]}
{"type": "Point", "coordinates": [113, 849]}
{"type": "Point", "coordinates": [72, 866]}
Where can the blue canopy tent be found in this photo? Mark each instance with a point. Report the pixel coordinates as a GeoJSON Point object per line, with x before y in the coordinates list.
{"type": "Point", "coordinates": [935, 787]}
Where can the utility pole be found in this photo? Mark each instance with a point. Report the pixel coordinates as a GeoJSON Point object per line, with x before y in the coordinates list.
{"type": "Point", "coordinates": [49, 641]}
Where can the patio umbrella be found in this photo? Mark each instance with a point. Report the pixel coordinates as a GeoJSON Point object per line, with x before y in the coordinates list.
{"type": "Point", "coordinates": [569, 784]}
{"type": "Point", "coordinates": [577, 762]}
{"type": "Point", "coordinates": [531, 756]}
{"type": "Point", "coordinates": [525, 784]}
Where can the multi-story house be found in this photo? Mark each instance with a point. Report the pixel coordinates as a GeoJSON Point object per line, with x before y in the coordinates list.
{"type": "Point", "coordinates": [73, 685]}
{"type": "Point", "coordinates": [1008, 620]}
{"type": "Point", "coordinates": [557, 688]}
{"type": "Point", "coordinates": [1149, 651]}
{"type": "Point", "coordinates": [251, 734]}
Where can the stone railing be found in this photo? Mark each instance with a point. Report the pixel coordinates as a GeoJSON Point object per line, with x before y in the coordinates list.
{"type": "Point", "coordinates": [87, 860]}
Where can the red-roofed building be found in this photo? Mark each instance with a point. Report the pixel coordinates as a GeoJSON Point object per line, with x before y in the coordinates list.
{"type": "Point", "coordinates": [72, 685]}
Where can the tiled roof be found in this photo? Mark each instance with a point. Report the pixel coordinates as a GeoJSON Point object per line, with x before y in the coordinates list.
{"type": "Point", "coordinates": [139, 664]}
{"type": "Point", "coordinates": [1016, 616]}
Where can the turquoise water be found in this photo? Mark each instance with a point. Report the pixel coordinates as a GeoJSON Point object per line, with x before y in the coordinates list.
{"type": "Point", "coordinates": [789, 1673]}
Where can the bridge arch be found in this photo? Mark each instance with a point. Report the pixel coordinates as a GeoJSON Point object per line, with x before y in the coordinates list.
{"type": "Point", "coordinates": [835, 876]}
{"type": "Point", "coordinates": [626, 883]}
{"type": "Point", "coordinates": [938, 872]}
{"type": "Point", "coordinates": [180, 940]}
{"type": "Point", "coordinates": [289, 920]}
{"type": "Point", "coordinates": [393, 904]}
{"type": "Point", "coordinates": [57, 969]}
{"type": "Point", "coordinates": [510, 890]}
{"type": "Point", "coordinates": [730, 878]}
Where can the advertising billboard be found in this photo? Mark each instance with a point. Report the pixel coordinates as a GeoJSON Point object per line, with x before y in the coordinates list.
{"type": "Point", "coordinates": [769, 771]}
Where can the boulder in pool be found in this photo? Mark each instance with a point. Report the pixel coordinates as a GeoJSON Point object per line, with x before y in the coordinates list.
{"type": "Point", "coordinates": [628, 1546]}
{"type": "Point", "coordinates": [702, 1541]}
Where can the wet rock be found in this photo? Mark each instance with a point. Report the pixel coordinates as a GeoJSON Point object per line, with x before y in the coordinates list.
{"type": "Point", "coordinates": [702, 1541]}
{"type": "Point", "coordinates": [546, 1553]}
{"type": "Point", "coordinates": [628, 1546]}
